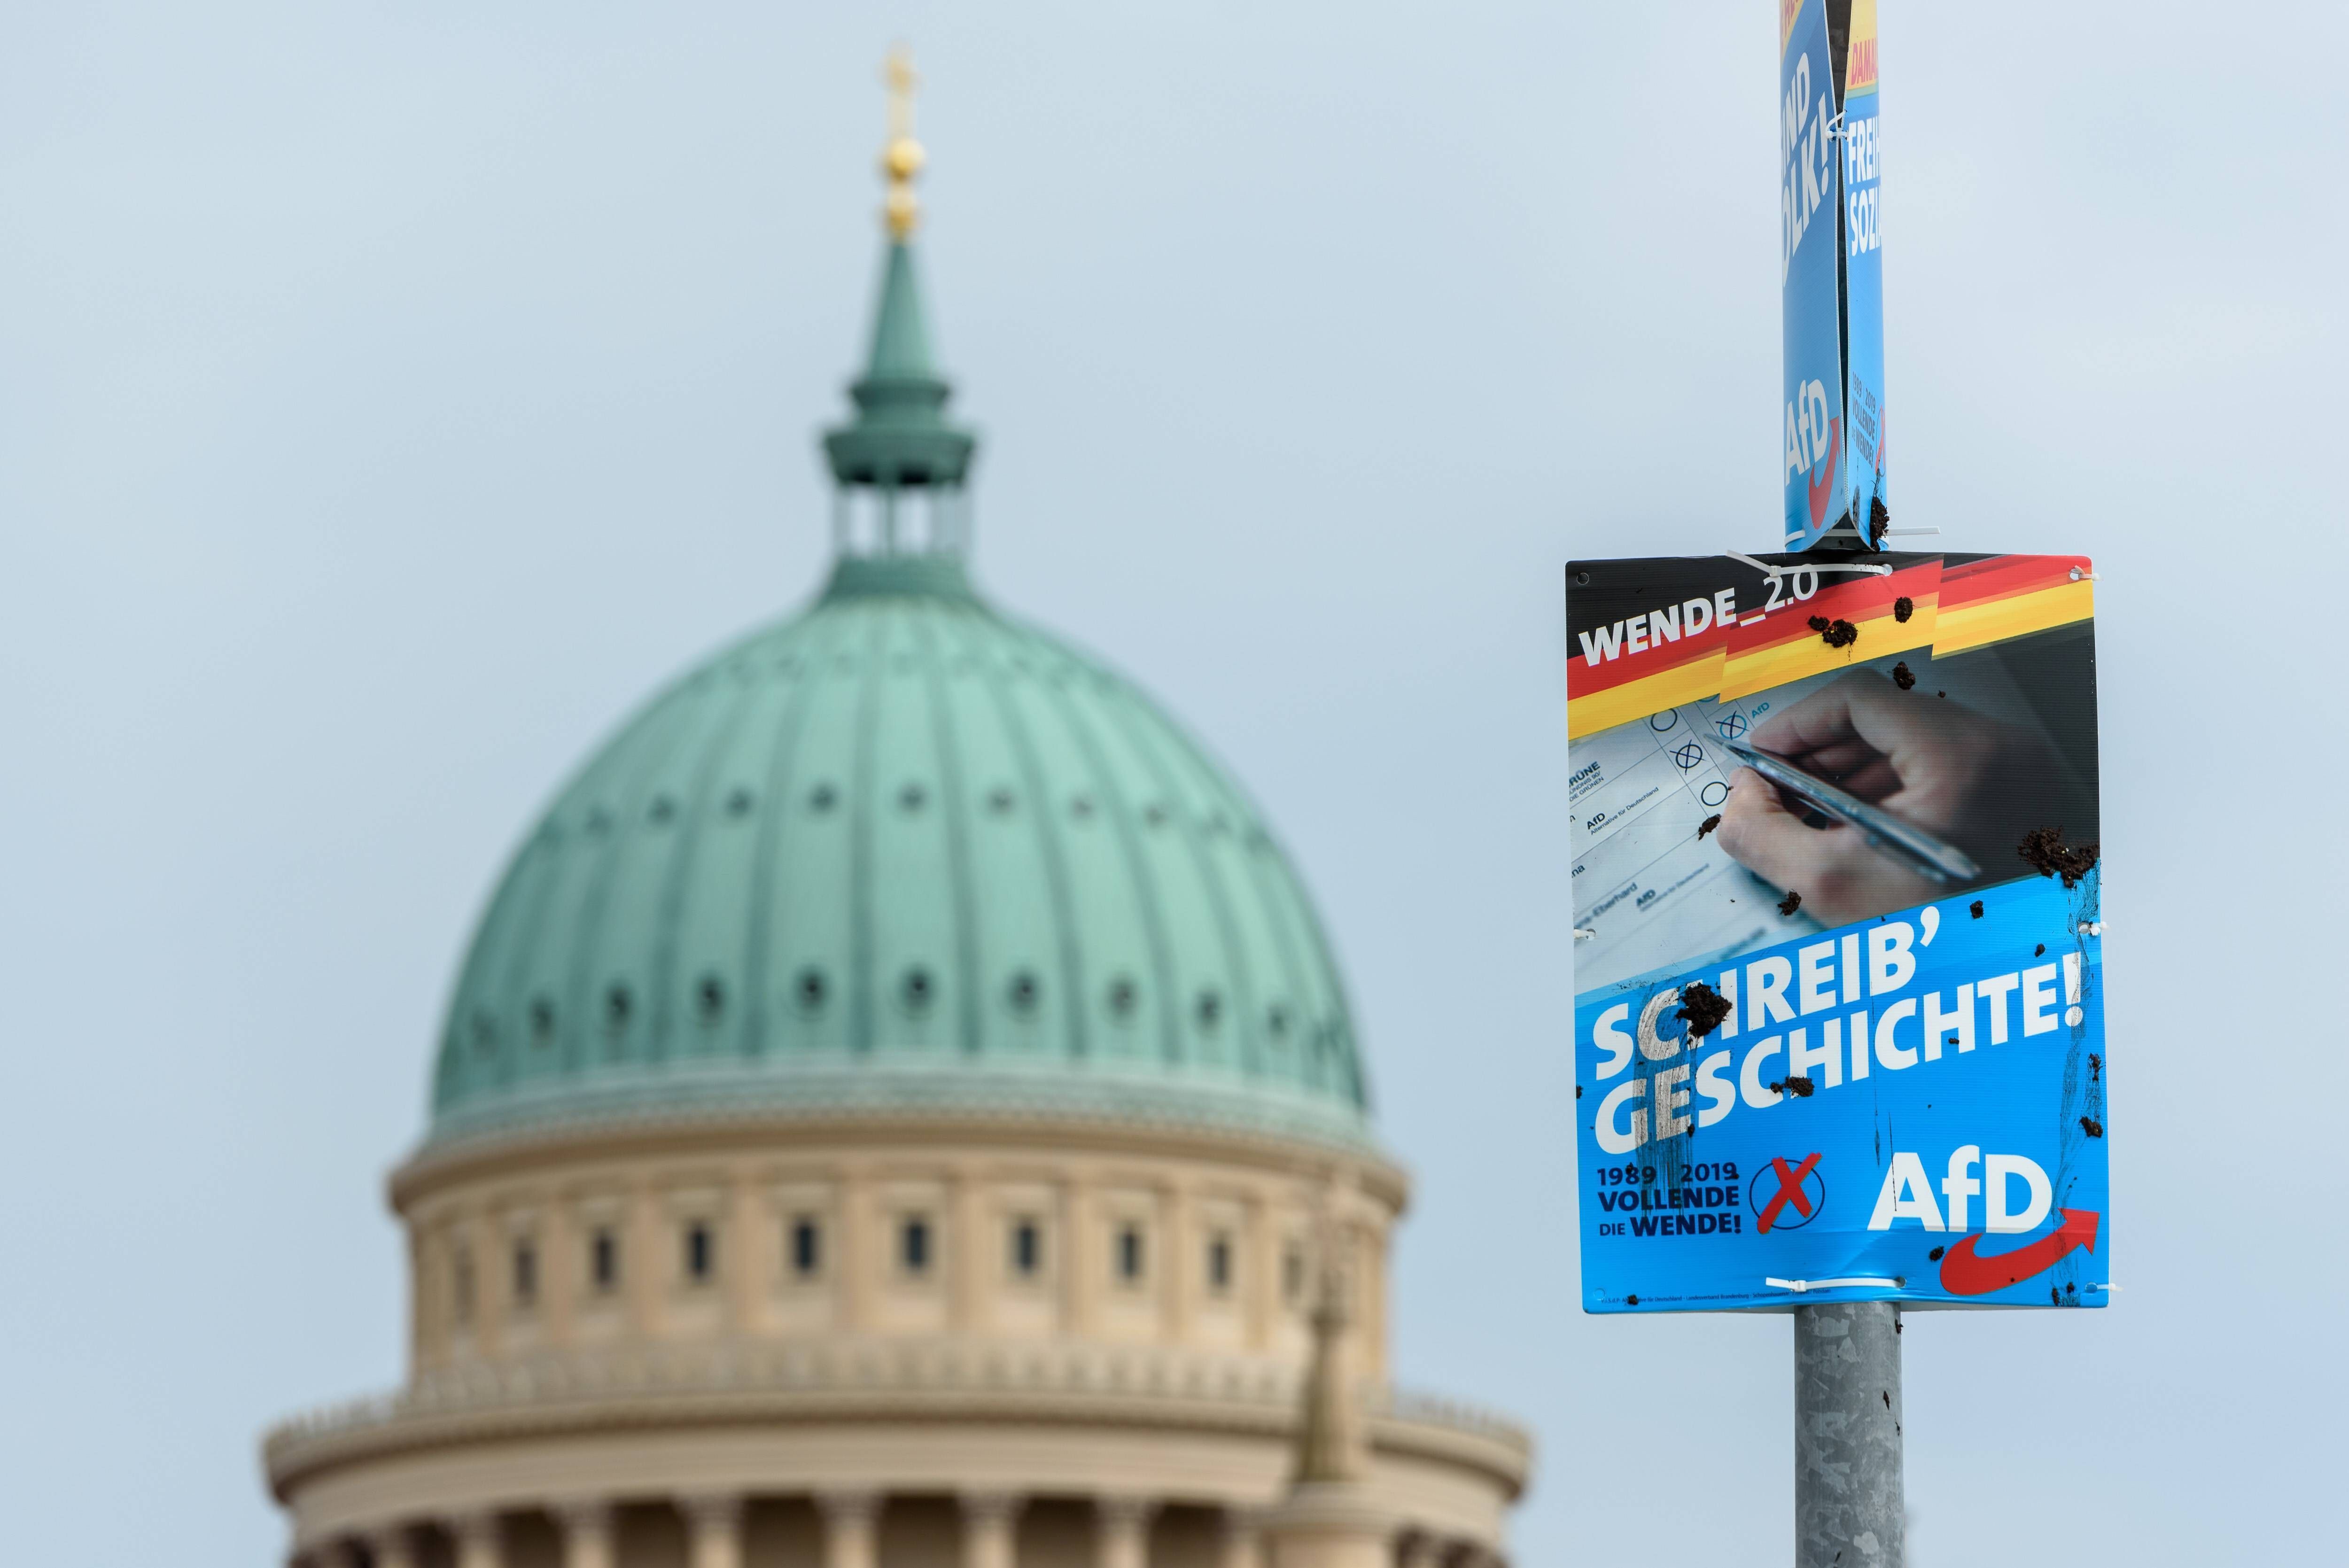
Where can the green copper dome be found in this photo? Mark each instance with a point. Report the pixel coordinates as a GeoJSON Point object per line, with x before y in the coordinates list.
{"type": "Point", "coordinates": [901, 852]}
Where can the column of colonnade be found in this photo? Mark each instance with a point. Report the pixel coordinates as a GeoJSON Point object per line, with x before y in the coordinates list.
{"type": "Point", "coordinates": [852, 1536]}
{"type": "Point", "coordinates": [850, 1520]}
{"type": "Point", "coordinates": [990, 1530]}
{"type": "Point", "coordinates": [586, 1527]}
{"type": "Point", "coordinates": [713, 1527]}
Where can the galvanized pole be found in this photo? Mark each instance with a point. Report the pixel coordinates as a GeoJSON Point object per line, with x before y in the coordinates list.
{"type": "Point", "coordinates": [1848, 1508]}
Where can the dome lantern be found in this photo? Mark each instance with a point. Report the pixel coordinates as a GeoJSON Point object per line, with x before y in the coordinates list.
{"type": "Point", "coordinates": [901, 512]}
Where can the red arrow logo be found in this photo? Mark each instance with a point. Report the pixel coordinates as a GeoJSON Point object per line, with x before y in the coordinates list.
{"type": "Point", "coordinates": [1963, 1273]}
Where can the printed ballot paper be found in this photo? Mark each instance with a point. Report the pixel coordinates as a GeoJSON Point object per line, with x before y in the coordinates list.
{"type": "Point", "coordinates": [1836, 902]}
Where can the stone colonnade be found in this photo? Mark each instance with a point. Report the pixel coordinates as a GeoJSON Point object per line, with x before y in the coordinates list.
{"type": "Point", "coordinates": [849, 1534]}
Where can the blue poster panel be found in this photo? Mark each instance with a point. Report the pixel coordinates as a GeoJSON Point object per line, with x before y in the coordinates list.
{"type": "Point", "coordinates": [1809, 170]}
{"type": "Point", "coordinates": [1863, 267]}
{"type": "Point", "coordinates": [1839, 998]}
{"type": "Point", "coordinates": [1832, 272]}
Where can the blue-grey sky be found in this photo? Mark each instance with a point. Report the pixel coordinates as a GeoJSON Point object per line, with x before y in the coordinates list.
{"type": "Point", "coordinates": [391, 395]}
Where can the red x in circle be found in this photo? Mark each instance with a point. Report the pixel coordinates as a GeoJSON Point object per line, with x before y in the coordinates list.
{"type": "Point", "coordinates": [1790, 1191]}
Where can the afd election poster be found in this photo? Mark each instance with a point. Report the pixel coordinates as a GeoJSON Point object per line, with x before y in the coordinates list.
{"type": "Point", "coordinates": [1863, 278]}
{"type": "Point", "coordinates": [1838, 1023]}
{"type": "Point", "coordinates": [1810, 273]}
{"type": "Point", "coordinates": [1831, 272]}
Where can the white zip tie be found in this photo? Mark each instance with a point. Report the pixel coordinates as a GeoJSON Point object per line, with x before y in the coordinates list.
{"type": "Point", "coordinates": [1800, 1285]}
{"type": "Point", "coordinates": [1583, 933]}
{"type": "Point", "coordinates": [2092, 928]}
{"type": "Point", "coordinates": [2107, 1285]}
{"type": "Point", "coordinates": [1767, 569]}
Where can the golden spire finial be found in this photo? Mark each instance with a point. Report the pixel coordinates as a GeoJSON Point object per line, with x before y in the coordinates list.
{"type": "Point", "coordinates": [901, 160]}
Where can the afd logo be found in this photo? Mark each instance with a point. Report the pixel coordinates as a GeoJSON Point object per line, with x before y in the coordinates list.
{"type": "Point", "coordinates": [1908, 1194]}
{"type": "Point", "coordinates": [1814, 447]}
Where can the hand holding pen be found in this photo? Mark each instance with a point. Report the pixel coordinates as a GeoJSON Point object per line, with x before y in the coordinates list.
{"type": "Point", "coordinates": [1968, 782]}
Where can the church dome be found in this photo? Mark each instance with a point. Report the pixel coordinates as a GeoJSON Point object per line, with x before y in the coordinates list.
{"type": "Point", "coordinates": [901, 852]}
{"type": "Point", "coordinates": [898, 1108]}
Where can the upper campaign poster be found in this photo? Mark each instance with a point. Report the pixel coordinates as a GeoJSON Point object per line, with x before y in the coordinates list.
{"type": "Point", "coordinates": [1863, 285]}
{"type": "Point", "coordinates": [1838, 961]}
{"type": "Point", "coordinates": [1831, 272]}
{"type": "Point", "coordinates": [1810, 274]}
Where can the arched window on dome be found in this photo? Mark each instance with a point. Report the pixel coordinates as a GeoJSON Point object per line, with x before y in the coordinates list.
{"type": "Point", "coordinates": [1219, 1262]}
{"type": "Point", "coordinates": [1027, 1248]}
{"type": "Point", "coordinates": [1129, 1254]}
{"type": "Point", "coordinates": [913, 1244]}
{"type": "Point", "coordinates": [700, 1253]}
{"type": "Point", "coordinates": [604, 1261]}
{"type": "Point", "coordinates": [525, 1273]}
{"type": "Point", "coordinates": [807, 1246]}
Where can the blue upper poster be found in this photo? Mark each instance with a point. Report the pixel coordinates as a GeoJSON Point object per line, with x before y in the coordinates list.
{"type": "Point", "coordinates": [1808, 272]}
{"type": "Point", "coordinates": [1831, 273]}
{"type": "Point", "coordinates": [1863, 270]}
